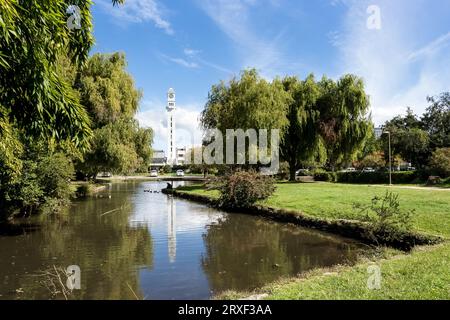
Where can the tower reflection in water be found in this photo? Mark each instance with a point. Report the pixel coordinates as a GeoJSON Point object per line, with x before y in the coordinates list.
{"type": "Point", "coordinates": [171, 229]}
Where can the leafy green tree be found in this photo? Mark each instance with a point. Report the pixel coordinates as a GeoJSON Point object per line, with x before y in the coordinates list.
{"type": "Point", "coordinates": [107, 90]}
{"type": "Point", "coordinates": [344, 121]}
{"type": "Point", "coordinates": [248, 102]}
{"type": "Point", "coordinates": [118, 147]}
{"type": "Point", "coordinates": [408, 139]}
{"type": "Point", "coordinates": [374, 160]}
{"type": "Point", "coordinates": [440, 162]}
{"type": "Point", "coordinates": [436, 121]}
{"type": "Point", "coordinates": [244, 103]}
{"type": "Point", "coordinates": [301, 138]}
{"type": "Point", "coordinates": [37, 102]}
{"type": "Point", "coordinates": [33, 33]}
{"type": "Point", "coordinates": [111, 98]}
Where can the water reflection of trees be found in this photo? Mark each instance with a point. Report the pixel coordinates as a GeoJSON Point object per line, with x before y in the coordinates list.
{"type": "Point", "coordinates": [108, 250]}
{"type": "Point", "coordinates": [244, 252]}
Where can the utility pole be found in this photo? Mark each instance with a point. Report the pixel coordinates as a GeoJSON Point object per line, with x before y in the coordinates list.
{"type": "Point", "coordinates": [390, 160]}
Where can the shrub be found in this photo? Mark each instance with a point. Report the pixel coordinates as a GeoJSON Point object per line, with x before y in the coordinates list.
{"type": "Point", "coordinates": [322, 175]}
{"type": "Point", "coordinates": [42, 184]}
{"type": "Point", "coordinates": [54, 173]}
{"type": "Point", "coordinates": [440, 162]}
{"type": "Point", "coordinates": [385, 216]}
{"type": "Point", "coordinates": [242, 189]}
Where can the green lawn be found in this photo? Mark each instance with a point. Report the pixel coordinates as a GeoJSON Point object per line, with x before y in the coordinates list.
{"type": "Point", "coordinates": [327, 200]}
{"type": "Point", "coordinates": [423, 273]}
{"type": "Point", "coordinates": [335, 201]}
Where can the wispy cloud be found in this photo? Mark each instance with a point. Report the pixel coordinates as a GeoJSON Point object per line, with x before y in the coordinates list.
{"type": "Point", "coordinates": [234, 18]}
{"type": "Point", "coordinates": [431, 48]}
{"type": "Point", "coordinates": [397, 75]}
{"type": "Point", "coordinates": [182, 62]}
{"type": "Point", "coordinates": [138, 11]}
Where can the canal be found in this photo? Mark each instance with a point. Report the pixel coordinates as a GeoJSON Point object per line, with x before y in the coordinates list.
{"type": "Point", "coordinates": [131, 241]}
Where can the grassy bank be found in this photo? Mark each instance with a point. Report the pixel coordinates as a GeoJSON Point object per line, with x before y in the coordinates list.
{"type": "Point", "coordinates": [420, 274]}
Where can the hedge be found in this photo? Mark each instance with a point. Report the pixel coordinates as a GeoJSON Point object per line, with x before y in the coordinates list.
{"type": "Point", "coordinates": [402, 177]}
{"type": "Point", "coordinates": [326, 176]}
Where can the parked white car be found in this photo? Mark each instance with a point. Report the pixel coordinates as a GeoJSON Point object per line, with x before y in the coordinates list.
{"type": "Point", "coordinates": [154, 173]}
{"type": "Point", "coordinates": [350, 169]}
{"type": "Point", "coordinates": [180, 173]}
{"type": "Point", "coordinates": [368, 169]}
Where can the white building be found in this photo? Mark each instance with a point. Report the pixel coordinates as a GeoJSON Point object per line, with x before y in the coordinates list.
{"type": "Point", "coordinates": [181, 156]}
{"type": "Point", "coordinates": [171, 107]}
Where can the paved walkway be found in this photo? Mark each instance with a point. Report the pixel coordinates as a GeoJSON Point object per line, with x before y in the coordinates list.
{"type": "Point", "coordinates": [412, 187]}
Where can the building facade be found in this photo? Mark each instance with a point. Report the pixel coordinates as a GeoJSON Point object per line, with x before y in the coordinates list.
{"type": "Point", "coordinates": [181, 156]}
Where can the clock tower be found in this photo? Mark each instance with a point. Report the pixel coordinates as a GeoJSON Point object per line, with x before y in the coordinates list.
{"type": "Point", "coordinates": [171, 148]}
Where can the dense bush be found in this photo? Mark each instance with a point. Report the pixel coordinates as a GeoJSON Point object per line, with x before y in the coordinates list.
{"type": "Point", "coordinates": [42, 186]}
{"type": "Point", "coordinates": [400, 177]}
{"type": "Point", "coordinates": [242, 189]}
{"type": "Point", "coordinates": [440, 162]}
{"type": "Point", "coordinates": [322, 175]}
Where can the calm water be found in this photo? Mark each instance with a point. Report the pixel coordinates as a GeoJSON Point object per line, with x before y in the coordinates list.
{"type": "Point", "coordinates": [131, 243]}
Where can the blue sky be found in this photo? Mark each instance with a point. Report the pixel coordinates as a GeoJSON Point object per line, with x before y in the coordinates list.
{"type": "Point", "coordinates": [191, 45]}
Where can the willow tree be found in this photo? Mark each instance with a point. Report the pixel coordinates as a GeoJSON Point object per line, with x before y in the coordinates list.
{"type": "Point", "coordinates": [301, 139]}
{"type": "Point", "coordinates": [111, 99]}
{"type": "Point", "coordinates": [344, 121]}
{"type": "Point", "coordinates": [247, 102]}
{"type": "Point", "coordinates": [107, 90]}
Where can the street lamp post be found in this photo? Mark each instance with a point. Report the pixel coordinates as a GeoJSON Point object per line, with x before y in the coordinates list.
{"type": "Point", "coordinates": [390, 161]}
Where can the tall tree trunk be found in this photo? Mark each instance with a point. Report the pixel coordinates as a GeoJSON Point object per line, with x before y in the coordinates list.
{"type": "Point", "coordinates": [292, 168]}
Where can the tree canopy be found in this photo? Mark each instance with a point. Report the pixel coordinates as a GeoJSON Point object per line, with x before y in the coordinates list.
{"type": "Point", "coordinates": [109, 93]}
{"type": "Point", "coordinates": [301, 139]}
{"type": "Point", "coordinates": [33, 34]}
{"type": "Point", "coordinates": [324, 119]}
{"type": "Point", "coordinates": [344, 123]}
{"type": "Point", "coordinates": [107, 90]}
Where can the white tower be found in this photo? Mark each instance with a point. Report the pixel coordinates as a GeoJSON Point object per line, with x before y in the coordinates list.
{"type": "Point", "coordinates": [171, 148]}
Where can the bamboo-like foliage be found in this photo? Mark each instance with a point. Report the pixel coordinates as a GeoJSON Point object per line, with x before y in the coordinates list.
{"type": "Point", "coordinates": [33, 33]}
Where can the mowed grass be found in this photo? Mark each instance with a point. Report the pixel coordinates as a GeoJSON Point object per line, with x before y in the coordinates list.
{"type": "Point", "coordinates": [335, 201]}
{"type": "Point", "coordinates": [423, 273]}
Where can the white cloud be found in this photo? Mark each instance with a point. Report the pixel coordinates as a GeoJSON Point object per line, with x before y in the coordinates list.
{"type": "Point", "coordinates": [396, 73]}
{"type": "Point", "coordinates": [182, 62]}
{"type": "Point", "coordinates": [233, 17]}
{"type": "Point", "coordinates": [138, 11]}
{"type": "Point", "coordinates": [187, 125]}
{"type": "Point", "coordinates": [191, 52]}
